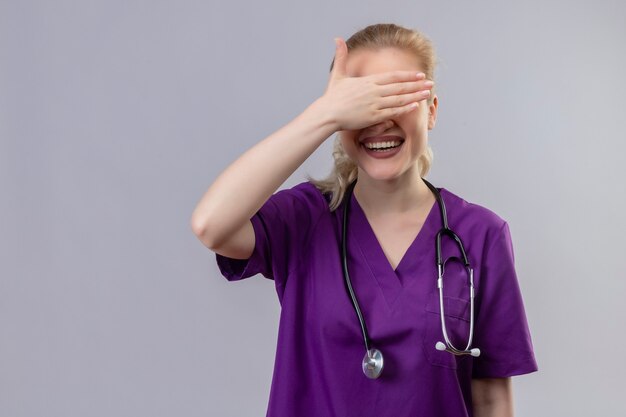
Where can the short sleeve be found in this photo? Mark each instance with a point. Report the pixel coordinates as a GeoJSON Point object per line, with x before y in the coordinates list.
{"type": "Point", "coordinates": [501, 329]}
{"type": "Point", "coordinates": [282, 228]}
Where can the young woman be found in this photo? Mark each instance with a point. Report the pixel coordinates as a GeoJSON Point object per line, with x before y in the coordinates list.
{"type": "Point", "coordinates": [383, 290]}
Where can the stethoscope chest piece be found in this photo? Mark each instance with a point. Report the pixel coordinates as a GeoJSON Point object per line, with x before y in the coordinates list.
{"type": "Point", "coordinates": [373, 363]}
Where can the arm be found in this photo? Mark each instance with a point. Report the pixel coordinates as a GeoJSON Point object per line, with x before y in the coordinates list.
{"type": "Point", "coordinates": [492, 397]}
{"type": "Point", "coordinates": [222, 217]}
{"type": "Point", "coordinates": [225, 207]}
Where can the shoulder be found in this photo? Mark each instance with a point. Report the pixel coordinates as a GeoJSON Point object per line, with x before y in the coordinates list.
{"type": "Point", "coordinates": [471, 216]}
{"type": "Point", "coordinates": [306, 192]}
{"type": "Point", "coordinates": [303, 197]}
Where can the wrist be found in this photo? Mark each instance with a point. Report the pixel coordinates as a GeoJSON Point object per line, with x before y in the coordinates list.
{"type": "Point", "coordinates": [320, 111]}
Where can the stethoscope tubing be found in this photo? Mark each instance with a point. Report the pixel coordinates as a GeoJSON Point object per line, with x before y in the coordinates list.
{"type": "Point", "coordinates": [348, 282]}
{"type": "Point", "coordinates": [373, 360]}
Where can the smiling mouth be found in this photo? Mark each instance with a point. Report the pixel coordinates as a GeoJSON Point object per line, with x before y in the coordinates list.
{"type": "Point", "coordinates": [382, 146]}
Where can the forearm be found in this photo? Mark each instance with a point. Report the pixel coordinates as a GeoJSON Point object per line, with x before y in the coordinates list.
{"type": "Point", "coordinates": [495, 409]}
{"type": "Point", "coordinates": [246, 184]}
{"type": "Point", "coordinates": [492, 397]}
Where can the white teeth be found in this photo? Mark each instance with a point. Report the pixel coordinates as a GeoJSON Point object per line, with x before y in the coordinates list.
{"type": "Point", "coordinates": [377, 145]}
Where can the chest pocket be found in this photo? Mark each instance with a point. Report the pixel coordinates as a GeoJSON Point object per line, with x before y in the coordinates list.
{"type": "Point", "coordinates": [457, 316]}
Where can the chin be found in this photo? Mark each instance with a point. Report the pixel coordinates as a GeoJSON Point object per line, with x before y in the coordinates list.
{"type": "Point", "coordinates": [379, 174]}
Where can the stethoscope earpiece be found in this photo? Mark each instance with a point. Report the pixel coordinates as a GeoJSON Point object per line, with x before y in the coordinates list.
{"type": "Point", "coordinates": [372, 363]}
{"type": "Point", "coordinates": [475, 352]}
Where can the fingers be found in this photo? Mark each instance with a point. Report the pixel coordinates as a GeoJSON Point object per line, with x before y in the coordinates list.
{"type": "Point", "coordinates": [341, 54]}
{"type": "Point", "coordinates": [396, 111]}
{"type": "Point", "coordinates": [403, 99]}
{"type": "Point", "coordinates": [396, 77]}
{"type": "Point", "coordinates": [399, 92]}
{"type": "Point", "coordinates": [405, 87]}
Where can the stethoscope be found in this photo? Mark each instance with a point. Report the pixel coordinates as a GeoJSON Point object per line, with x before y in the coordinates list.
{"type": "Point", "coordinates": [373, 359]}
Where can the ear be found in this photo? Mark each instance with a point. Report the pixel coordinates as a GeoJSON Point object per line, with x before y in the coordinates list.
{"type": "Point", "coordinates": [432, 112]}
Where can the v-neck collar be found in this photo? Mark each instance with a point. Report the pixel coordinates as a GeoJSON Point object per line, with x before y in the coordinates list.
{"type": "Point", "coordinates": [391, 281]}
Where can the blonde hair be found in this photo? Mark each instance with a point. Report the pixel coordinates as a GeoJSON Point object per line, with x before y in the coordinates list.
{"type": "Point", "coordinates": [374, 37]}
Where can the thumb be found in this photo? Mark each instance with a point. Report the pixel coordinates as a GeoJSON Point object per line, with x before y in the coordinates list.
{"type": "Point", "coordinates": [341, 53]}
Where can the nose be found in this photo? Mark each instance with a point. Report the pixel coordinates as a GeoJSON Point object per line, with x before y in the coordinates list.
{"type": "Point", "coordinates": [379, 128]}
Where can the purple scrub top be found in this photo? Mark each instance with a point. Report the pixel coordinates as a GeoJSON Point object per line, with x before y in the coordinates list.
{"type": "Point", "coordinates": [317, 368]}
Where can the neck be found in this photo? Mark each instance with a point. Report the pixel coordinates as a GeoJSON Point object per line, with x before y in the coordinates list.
{"type": "Point", "coordinates": [407, 193]}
